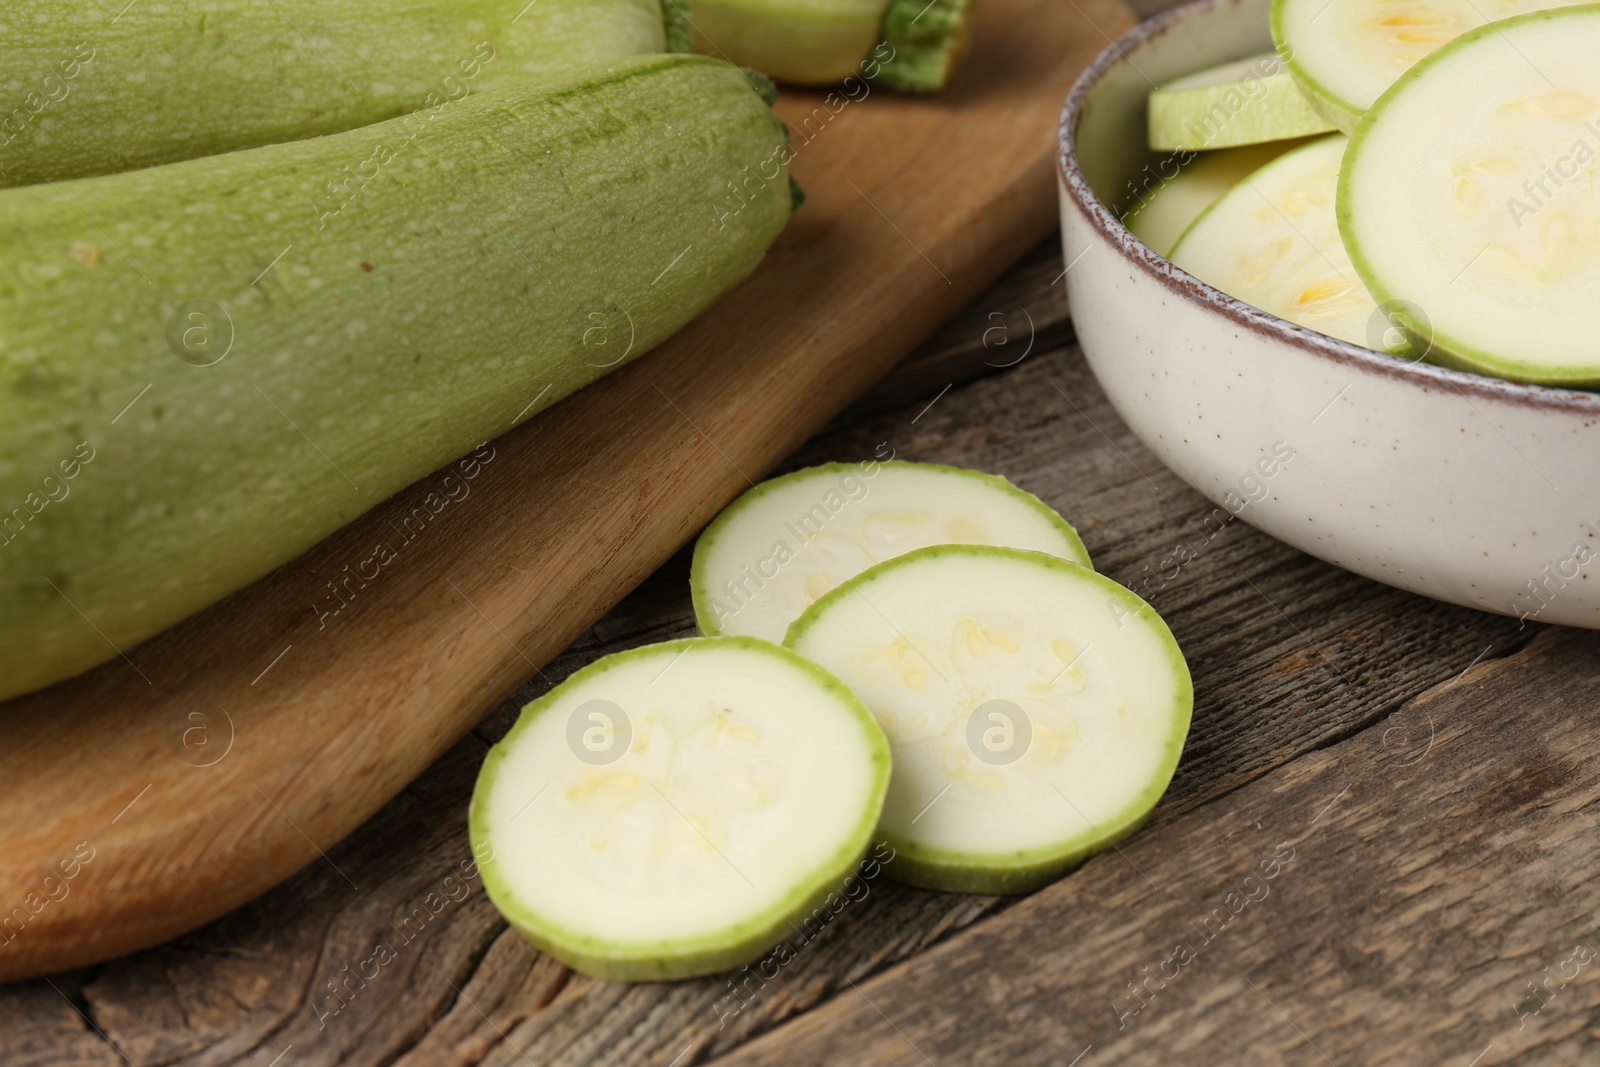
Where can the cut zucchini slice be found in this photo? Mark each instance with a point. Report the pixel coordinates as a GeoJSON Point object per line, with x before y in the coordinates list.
{"type": "Point", "coordinates": [1468, 199]}
{"type": "Point", "coordinates": [1171, 204]}
{"type": "Point", "coordinates": [1345, 53]}
{"type": "Point", "coordinates": [786, 542]}
{"type": "Point", "coordinates": [1248, 101]}
{"type": "Point", "coordinates": [1273, 241]}
{"type": "Point", "coordinates": [1036, 710]}
{"type": "Point", "coordinates": [667, 811]}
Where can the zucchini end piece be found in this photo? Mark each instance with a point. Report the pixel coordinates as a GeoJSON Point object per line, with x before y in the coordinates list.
{"type": "Point", "coordinates": [675, 25]}
{"type": "Point", "coordinates": [927, 43]}
{"type": "Point", "coordinates": [763, 85]}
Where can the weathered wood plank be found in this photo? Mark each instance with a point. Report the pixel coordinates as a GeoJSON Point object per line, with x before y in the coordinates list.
{"type": "Point", "coordinates": [465, 990]}
{"type": "Point", "coordinates": [1417, 893]}
{"type": "Point", "coordinates": [1022, 314]}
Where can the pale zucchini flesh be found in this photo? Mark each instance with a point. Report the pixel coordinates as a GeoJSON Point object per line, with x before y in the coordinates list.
{"type": "Point", "coordinates": [1468, 198]}
{"type": "Point", "coordinates": [513, 247]}
{"type": "Point", "coordinates": [179, 79]}
{"type": "Point", "coordinates": [670, 810]}
{"type": "Point", "coordinates": [1249, 101]}
{"type": "Point", "coordinates": [1273, 242]}
{"type": "Point", "coordinates": [1176, 191]}
{"type": "Point", "coordinates": [778, 548]}
{"type": "Point", "coordinates": [1345, 53]}
{"type": "Point", "coordinates": [1035, 710]}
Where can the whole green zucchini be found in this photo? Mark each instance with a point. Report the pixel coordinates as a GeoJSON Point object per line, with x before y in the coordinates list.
{"type": "Point", "coordinates": [911, 45]}
{"type": "Point", "coordinates": [85, 90]}
{"type": "Point", "coordinates": [205, 367]}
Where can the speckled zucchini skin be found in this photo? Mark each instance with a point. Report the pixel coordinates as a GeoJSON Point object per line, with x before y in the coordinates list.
{"type": "Point", "coordinates": [85, 90]}
{"type": "Point", "coordinates": [505, 250]}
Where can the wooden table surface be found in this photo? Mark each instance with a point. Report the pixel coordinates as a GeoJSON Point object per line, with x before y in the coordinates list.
{"type": "Point", "coordinates": [333, 717]}
{"type": "Point", "coordinates": [1417, 778]}
{"type": "Point", "coordinates": [1374, 851]}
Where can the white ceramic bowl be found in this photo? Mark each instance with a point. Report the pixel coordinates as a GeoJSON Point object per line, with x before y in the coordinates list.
{"type": "Point", "coordinates": [1460, 487]}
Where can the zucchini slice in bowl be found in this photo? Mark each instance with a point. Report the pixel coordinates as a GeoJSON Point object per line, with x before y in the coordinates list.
{"type": "Point", "coordinates": [1345, 53]}
{"type": "Point", "coordinates": [1467, 199]}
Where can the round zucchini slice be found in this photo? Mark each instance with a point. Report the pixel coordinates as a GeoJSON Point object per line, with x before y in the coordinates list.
{"type": "Point", "coordinates": [667, 811]}
{"type": "Point", "coordinates": [1345, 53]}
{"type": "Point", "coordinates": [1248, 101]}
{"type": "Point", "coordinates": [1171, 204]}
{"type": "Point", "coordinates": [1468, 200]}
{"type": "Point", "coordinates": [789, 540]}
{"type": "Point", "coordinates": [1036, 710]}
{"type": "Point", "coordinates": [1273, 241]}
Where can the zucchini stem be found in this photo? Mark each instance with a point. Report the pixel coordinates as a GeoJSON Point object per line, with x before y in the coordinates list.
{"type": "Point", "coordinates": [927, 43]}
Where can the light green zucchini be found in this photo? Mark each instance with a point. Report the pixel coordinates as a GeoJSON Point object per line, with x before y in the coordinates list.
{"type": "Point", "coordinates": [678, 809]}
{"type": "Point", "coordinates": [85, 90]}
{"type": "Point", "coordinates": [912, 45]}
{"type": "Point", "coordinates": [1467, 199]}
{"type": "Point", "coordinates": [1346, 53]}
{"type": "Point", "coordinates": [773, 552]}
{"type": "Point", "coordinates": [1178, 190]}
{"type": "Point", "coordinates": [1273, 241]}
{"type": "Point", "coordinates": [1249, 101]}
{"type": "Point", "coordinates": [248, 363]}
{"type": "Point", "coordinates": [1035, 710]}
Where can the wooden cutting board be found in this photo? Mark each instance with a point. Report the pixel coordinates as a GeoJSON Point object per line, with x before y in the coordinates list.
{"type": "Point", "coordinates": [167, 787]}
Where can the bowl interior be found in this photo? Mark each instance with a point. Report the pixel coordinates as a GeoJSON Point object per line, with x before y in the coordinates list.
{"type": "Point", "coordinates": [1110, 137]}
{"type": "Point", "coordinates": [1106, 167]}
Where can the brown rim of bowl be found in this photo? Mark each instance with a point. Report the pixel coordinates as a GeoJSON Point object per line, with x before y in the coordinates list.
{"type": "Point", "coordinates": [1192, 289]}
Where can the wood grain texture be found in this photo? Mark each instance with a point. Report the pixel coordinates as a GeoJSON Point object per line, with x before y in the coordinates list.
{"type": "Point", "coordinates": [1418, 893]}
{"type": "Point", "coordinates": [1272, 688]}
{"type": "Point", "coordinates": [915, 205]}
